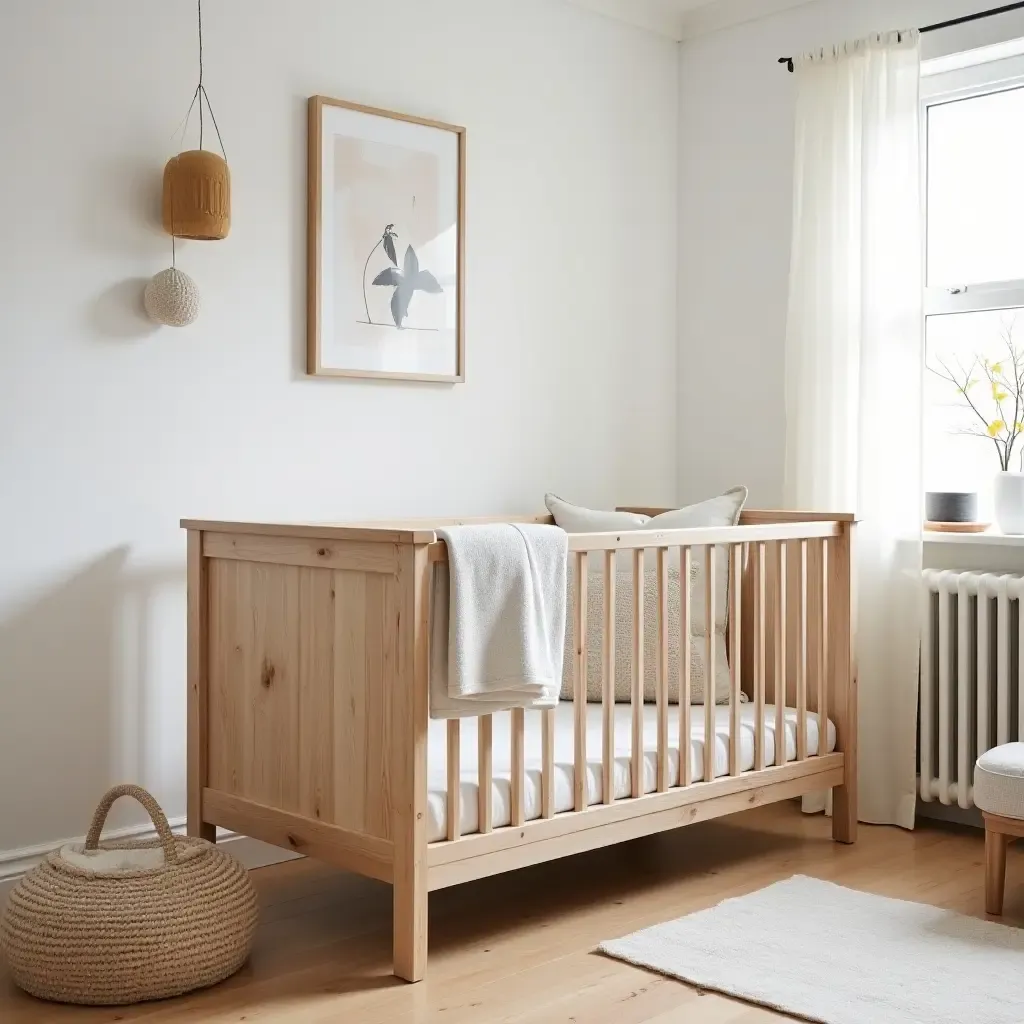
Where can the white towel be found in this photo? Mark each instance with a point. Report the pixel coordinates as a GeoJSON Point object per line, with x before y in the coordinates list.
{"type": "Point", "coordinates": [498, 619]}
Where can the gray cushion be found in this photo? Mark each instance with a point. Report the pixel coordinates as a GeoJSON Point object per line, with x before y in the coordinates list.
{"type": "Point", "coordinates": [999, 781]}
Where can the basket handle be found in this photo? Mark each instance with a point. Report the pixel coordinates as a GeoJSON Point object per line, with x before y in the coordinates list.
{"type": "Point", "coordinates": [156, 815]}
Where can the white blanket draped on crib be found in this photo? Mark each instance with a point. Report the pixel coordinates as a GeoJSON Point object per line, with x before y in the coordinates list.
{"type": "Point", "coordinates": [498, 619]}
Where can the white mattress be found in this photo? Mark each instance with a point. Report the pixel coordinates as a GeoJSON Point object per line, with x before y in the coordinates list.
{"type": "Point", "coordinates": [437, 774]}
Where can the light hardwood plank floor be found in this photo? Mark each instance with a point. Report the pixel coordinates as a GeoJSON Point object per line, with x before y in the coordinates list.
{"type": "Point", "coordinates": [519, 947]}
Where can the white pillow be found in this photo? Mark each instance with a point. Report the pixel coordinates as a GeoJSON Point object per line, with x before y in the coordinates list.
{"type": "Point", "coordinates": [721, 511]}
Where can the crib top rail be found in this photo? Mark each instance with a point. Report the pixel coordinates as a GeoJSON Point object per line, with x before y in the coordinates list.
{"type": "Point", "coordinates": [634, 540]}
{"type": "Point", "coordinates": [755, 525]}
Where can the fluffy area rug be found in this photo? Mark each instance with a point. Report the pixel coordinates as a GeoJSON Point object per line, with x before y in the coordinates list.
{"type": "Point", "coordinates": [833, 955]}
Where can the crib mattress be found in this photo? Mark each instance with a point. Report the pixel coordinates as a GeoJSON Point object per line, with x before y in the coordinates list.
{"type": "Point", "coordinates": [437, 781]}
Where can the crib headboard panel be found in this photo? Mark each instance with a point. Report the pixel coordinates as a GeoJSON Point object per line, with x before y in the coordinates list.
{"type": "Point", "coordinates": [301, 650]}
{"type": "Point", "coordinates": [296, 655]}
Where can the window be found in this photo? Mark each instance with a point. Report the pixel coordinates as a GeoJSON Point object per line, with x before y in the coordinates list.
{"type": "Point", "coordinates": [975, 273]}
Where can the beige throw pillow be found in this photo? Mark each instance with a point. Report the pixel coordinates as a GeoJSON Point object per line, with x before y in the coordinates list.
{"type": "Point", "coordinates": [721, 511]}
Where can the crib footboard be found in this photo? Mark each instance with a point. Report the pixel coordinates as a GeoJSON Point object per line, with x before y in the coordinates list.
{"type": "Point", "coordinates": [308, 700]}
{"type": "Point", "coordinates": [307, 694]}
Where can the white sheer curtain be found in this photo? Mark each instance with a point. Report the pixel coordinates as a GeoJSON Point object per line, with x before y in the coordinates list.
{"type": "Point", "coordinates": [854, 364]}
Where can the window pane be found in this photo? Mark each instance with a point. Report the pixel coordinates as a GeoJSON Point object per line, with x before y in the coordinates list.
{"type": "Point", "coordinates": [975, 193]}
{"type": "Point", "coordinates": [958, 453]}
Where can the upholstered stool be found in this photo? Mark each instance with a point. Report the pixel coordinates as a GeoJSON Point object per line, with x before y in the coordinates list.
{"type": "Point", "coordinates": [999, 793]}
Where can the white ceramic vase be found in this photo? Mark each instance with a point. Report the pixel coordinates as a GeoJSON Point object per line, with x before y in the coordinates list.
{"type": "Point", "coordinates": [1008, 493]}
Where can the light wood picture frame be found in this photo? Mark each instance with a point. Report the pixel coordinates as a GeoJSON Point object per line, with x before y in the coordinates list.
{"type": "Point", "coordinates": [386, 244]}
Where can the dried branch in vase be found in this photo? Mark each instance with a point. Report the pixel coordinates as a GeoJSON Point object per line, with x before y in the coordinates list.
{"type": "Point", "coordinates": [993, 391]}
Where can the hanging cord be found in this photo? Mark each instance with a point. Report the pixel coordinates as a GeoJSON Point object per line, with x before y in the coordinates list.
{"type": "Point", "coordinates": [199, 88]}
{"type": "Point", "coordinates": [199, 96]}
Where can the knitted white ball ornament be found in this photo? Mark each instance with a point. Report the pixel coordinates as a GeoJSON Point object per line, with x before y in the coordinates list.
{"type": "Point", "coordinates": [172, 298]}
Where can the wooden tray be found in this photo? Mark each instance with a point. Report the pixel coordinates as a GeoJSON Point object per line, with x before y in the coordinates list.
{"type": "Point", "coordinates": [957, 527]}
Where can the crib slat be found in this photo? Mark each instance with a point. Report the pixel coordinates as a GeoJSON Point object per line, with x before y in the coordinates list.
{"type": "Point", "coordinates": [608, 682]}
{"type": "Point", "coordinates": [662, 693]}
{"type": "Point", "coordinates": [518, 764]}
{"type": "Point", "coordinates": [579, 699]}
{"type": "Point", "coordinates": [484, 760]}
{"type": "Point", "coordinates": [735, 655]}
{"type": "Point", "coordinates": [637, 691]}
{"type": "Point", "coordinates": [781, 625]}
{"type": "Point", "coordinates": [759, 654]}
{"type": "Point", "coordinates": [823, 655]}
{"type": "Point", "coordinates": [547, 776]}
{"type": "Point", "coordinates": [454, 780]}
{"type": "Point", "coordinates": [710, 565]}
{"type": "Point", "coordinates": [801, 663]}
{"type": "Point", "coordinates": [685, 654]}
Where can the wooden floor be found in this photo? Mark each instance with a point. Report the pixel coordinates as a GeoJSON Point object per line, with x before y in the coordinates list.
{"type": "Point", "coordinates": [518, 948]}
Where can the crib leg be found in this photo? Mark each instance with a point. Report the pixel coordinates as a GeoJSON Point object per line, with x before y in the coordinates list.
{"type": "Point", "coordinates": [410, 931]}
{"type": "Point", "coordinates": [844, 813]}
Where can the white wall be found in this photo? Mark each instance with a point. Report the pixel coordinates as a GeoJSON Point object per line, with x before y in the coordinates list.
{"type": "Point", "coordinates": [111, 430]}
{"type": "Point", "coordinates": [736, 179]}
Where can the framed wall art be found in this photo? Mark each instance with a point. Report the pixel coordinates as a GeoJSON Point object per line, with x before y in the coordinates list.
{"type": "Point", "coordinates": [386, 292]}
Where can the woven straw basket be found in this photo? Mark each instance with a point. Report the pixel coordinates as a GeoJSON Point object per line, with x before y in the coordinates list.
{"type": "Point", "coordinates": [110, 937]}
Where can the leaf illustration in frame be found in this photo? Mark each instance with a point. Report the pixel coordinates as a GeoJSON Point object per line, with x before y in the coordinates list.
{"type": "Point", "coordinates": [406, 282]}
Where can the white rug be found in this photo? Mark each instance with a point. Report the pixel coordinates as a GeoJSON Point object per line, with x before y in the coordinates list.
{"type": "Point", "coordinates": [828, 954]}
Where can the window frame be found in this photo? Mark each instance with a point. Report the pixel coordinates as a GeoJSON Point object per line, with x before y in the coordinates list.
{"type": "Point", "coordinates": [953, 86]}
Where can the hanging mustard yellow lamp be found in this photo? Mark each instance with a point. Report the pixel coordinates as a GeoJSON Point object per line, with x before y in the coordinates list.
{"type": "Point", "coordinates": [197, 182]}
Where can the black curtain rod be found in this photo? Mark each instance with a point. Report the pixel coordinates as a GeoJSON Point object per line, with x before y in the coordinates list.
{"type": "Point", "coordinates": [788, 61]}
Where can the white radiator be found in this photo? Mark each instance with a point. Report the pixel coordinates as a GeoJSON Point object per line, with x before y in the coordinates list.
{"type": "Point", "coordinates": [972, 663]}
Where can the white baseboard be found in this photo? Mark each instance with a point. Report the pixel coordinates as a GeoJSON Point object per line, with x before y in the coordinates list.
{"type": "Point", "coordinates": [251, 852]}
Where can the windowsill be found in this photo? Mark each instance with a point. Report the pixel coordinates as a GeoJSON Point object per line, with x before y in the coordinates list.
{"type": "Point", "coordinates": [990, 538]}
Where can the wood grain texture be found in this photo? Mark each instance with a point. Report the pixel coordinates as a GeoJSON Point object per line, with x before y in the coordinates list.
{"type": "Point", "coordinates": [359, 556]}
{"type": "Point", "coordinates": [843, 673]}
{"type": "Point", "coordinates": [1008, 826]}
{"type": "Point", "coordinates": [637, 692]}
{"type": "Point", "coordinates": [579, 699]}
{"type": "Point", "coordinates": [760, 615]}
{"type": "Point", "coordinates": [995, 870]}
{"type": "Point", "coordinates": [315, 741]}
{"type": "Point", "coordinates": [454, 772]}
{"type": "Point", "coordinates": [685, 668]}
{"type": "Point", "coordinates": [540, 830]}
{"type": "Point", "coordinates": [755, 516]}
{"type": "Point", "coordinates": [485, 762]}
{"type": "Point", "coordinates": [608, 683]}
{"type": "Point", "coordinates": [735, 653]}
{"type": "Point", "coordinates": [710, 661]}
{"type": "Point", "coordinates": [408, 615]}
{"type": "Point", "coordinates": [547, 792]}
{"type": "Point", "coordinates": [322, 951]}
{"type": "Point", "coordinates": [631, 540]}
{"type": "Point", "coordinates": [579, 840]}
{"type": "Point", "coordinates": [351, 851]}
{"type": "Point", "coordinates": [254, 691]}
{"type": "Point", "coordinates": [662, 671]}
{"type": "Point", "coordinates": [781, 665]}
{"type": "Point", "coordinates": [365, 655]}
{"type": "Point", "coordinates": [823, 674]}
{"type": "Point", "coordinates": [518, 740]}
{"type": "Point", "coordinates": [197, 766]}
{"type": "Point", "coordinates": [331, 532]}
{"type": "Point", "coordinates": [801, 677]}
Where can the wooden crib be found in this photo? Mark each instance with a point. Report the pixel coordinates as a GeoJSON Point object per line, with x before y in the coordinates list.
{"type": "Point", "coordinates": [308, 698]}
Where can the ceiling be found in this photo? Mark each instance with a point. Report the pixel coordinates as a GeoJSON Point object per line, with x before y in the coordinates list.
{"type": "Point", "coordinates": [681, 19]}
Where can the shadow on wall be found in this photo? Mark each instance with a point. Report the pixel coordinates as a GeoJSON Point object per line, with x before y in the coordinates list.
{"type": "Point", "coordinates": [121, 216]}
{"type": "Point", "coordinates": [88, 698]}
{"type": "Point", "coordinates": [117, 314]}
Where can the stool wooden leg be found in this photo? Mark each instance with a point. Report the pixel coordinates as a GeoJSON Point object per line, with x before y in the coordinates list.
{"type": "Point", "coordinates": [995, 870]}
